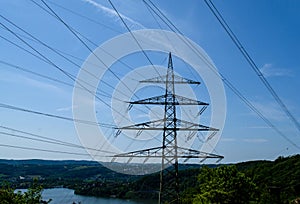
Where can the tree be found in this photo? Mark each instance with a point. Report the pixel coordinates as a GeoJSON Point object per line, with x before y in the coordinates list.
{"type": "Point", "coordinates": [224, 184]}
{"type": "Point", "coordinates": [31, 196]}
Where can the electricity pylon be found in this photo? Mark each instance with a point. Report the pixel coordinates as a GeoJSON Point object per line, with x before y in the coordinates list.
{"type": "Point", "coordinates": [169, 151]}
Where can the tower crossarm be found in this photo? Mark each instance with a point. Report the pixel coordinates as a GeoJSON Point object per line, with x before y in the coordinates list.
{"type": "Point", "coordinates": [160, 100]}
{"type": "Point", "coordinates": [156, 152]}
{"type": "Point", "coordinates": [181, 125]}
{"type": "Point", "coordinates": [192, 153]}
{"type": "Point", "coordinates": [150, 125]}
{"type": "Point", "coordinates": [151, 152]}
{"type": "Point", "coordinates": [177, 80]}
{"type": "Point", "coordinates": [186, 125]}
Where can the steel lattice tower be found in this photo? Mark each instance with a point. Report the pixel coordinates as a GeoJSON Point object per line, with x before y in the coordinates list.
{"type": "Point", "coordinates": [169, 151]}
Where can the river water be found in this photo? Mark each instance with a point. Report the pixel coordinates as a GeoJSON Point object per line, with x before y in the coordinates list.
{"type": "Point", "coordinates": [67, 196]}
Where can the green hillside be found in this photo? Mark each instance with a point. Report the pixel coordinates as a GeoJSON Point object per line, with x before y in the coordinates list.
{"type": "Point", "coordinates": [247, 182]}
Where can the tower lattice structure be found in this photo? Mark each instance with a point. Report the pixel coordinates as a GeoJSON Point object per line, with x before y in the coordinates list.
{"type": "Point", "coordinates": [169, 151]}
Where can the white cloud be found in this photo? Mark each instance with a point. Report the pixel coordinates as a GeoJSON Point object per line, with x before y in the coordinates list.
{"type": "Point", "coordinates": [258, 127]}
{"type": "Point", "coordinates": [270, 110]}
{"type": "Point", "coordinates": [268, 70]}
{"type": "Point", "coordinates": [112, 14]}
{"type": "Point", "coordinates": [68, 108]}
{"type": "Point", "coordinates": [24, 80]}
{"type": "Point", "coordinates": [41, 85]}
{"type": "Point", "coordinates": [255, 140]}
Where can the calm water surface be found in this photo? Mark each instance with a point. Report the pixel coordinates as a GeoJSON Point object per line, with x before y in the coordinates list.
{"type": "Point", "coordinates": [67, 196]}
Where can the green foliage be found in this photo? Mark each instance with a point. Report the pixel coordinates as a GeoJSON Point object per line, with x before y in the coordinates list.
{"type": "Point", "coordinates": [278, 181]}
{"type": "Point", "coordinates": [32, 196]}
{"type": "Point", "coordinates": [248, 182]}
{"type": "Point", "coordinates": [224, 184]}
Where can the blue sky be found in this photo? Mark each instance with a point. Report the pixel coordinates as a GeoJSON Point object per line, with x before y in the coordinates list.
{"type": "Point", "coordinates": [269, 31]}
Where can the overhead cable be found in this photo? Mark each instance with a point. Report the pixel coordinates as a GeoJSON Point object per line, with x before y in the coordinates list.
{"type": "Point", "coordinates": [251, 62]}
{"type": "Point", "coordinates": [3, 105]}
{"type": "Point", "coordinates": [160, 14]}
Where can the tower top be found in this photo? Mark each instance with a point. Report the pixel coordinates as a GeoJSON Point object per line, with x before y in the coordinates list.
{"type": "Point", "coordinates": [170, 63]}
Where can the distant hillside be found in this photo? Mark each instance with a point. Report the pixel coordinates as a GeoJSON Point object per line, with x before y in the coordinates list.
{"type": "Point", "coordinates": [20, 173]}
{"type": "Point", "coordinates": [280, 178]}
{"type": "Point", "coordinates": [48, 162]}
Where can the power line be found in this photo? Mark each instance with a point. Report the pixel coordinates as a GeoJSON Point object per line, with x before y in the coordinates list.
{"type": "Point", "coordinates": [133, 37]}
{"type": "Point", "coordinates": [34, 73]}
{"type": "Point", "coordinates": [254, 109]}
{"type": "Point", "coordinates": [92, 52]}
{"type": "Point", "coordinates": [45, 59]}
{"type": "Point", "coordinates": [105, 94]}
{"type": "Point", "coordinates": [43, 56]}
{"type": "Point", "coordinates": [251, 62]}
{"type": "Point", "coordinates": [84, 37]}
{"type": "Point", "coordinates": [42, 150]}
{"type": "Point", "coordinates": [55, 15]}
{"type": "Point", "coordinates": [76, 33]}
{"type": "Point", "coordinates": [29, 138]}
{"type": "Point", "coordinates": [55, 51]}
{"type": "Point", "coordinates": [25, 50]}
{"type": "Point", "coordinates": [221, 76]}
{"type": "Point", "coordinates": [53, 79]}
{"type": "Point", "coordinates": [163, 17]}
{"type": "Point", "coordinates": [84, 17]}
{"type": "Point", "coordinates": [105, 125]}
{"type": "Point", "coordinates": [23, 69]}
{"type": "Point", "coordinates": [40, 138]}
{"type": "Point", "coordinates": [153, 16]}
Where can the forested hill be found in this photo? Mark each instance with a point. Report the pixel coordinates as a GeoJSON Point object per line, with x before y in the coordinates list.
{"type": "Point", "coordinates": [261, 181]}
{"type": "Point", "coordinates": [256, 181]}
{"type": "Point", "coordinates": [281, 175]}
{"type": "Point", "coordinates": [53, 173]}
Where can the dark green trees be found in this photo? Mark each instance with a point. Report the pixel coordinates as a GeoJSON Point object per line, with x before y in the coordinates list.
{"type": "Point", "coordinates": [32, 196]}
{"type": "Point", "coordinates": [224, 184]}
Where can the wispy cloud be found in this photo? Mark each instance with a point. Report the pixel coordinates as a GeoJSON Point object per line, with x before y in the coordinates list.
{"type": "Point", "coordinates": [41, 85]}
{"type": "Point", "coordinates": [248, 140]}
{"type": "Point", "coordinates": [255, 140]}
{"type": "Point", "coordinates": [268, 70]}
{"type": "Point", "coordinates": [21, 79]}
{"type": "Point", "coordinates": [258, 127]}
{"type": "Point", "coordinates": [270, 110]}
{"type": "Point", "coordinates": [68, 108]}
{"type": "Point", "coordinates": [112, 14]}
